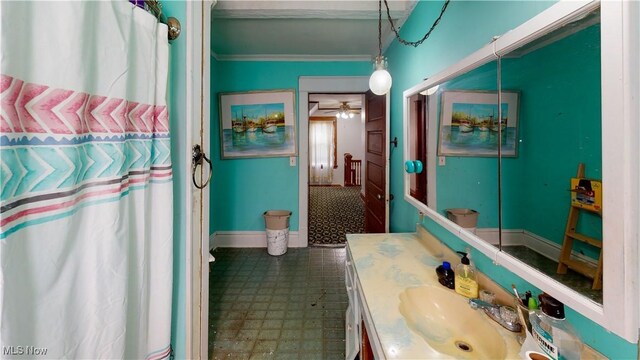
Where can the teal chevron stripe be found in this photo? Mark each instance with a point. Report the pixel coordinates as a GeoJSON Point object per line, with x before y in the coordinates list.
{"type": "Point", "coordinates": [161, 152]}
{"type": "Point", "coordinates": [116, 153]}
{"type": "Point", "coordinates": [61, 167]}
{"type": "Point", "coordinates": [35, 171]}
{"type": "Point", "coordinates": [44, 168]}
{"type": "Point", "coordinates": [100, 161]}
{"type": "Point", "coordinates": [144, 149]}
{"type": "Point", "coordinates": [10, 159]}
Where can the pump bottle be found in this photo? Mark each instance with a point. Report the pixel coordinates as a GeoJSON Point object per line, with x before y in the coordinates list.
{"type": "Point", "coordinates": [466, 281]}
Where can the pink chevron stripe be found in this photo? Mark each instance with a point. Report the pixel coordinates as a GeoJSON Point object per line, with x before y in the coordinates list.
{"type": "Point", "coordinates": [28, 93]}
{"type": "Point", "coordinates": [147, 118]}
{"type": "Point", "coordinates": [112, 115]}
{"type": "Point", "coordinates": [4, 125]}
{"type": "Point", "coordinates": [135, 116]}
{"type": "Point", "coordinates": [92, 123]}
{"type": "Point", "coordinates": [9, 97]}
{"type": "Point", "coordinates": [38, 109]}
{"type": "Point", "coordinates": [130, 122]}
{"type": "Point", "coordinates": [43, 109]}
{"type": "Point", "coordinates": [5, 82]}
{"type": "Point", "coordinates": [72, 111]}
{"type": "Point", "coordinates": [159, 119]}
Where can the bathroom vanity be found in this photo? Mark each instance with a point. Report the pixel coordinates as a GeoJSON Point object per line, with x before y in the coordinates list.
{"type": "Point", "coordinates": [382, 273]}
{"type": "Point", "coordinates": [396, 302]}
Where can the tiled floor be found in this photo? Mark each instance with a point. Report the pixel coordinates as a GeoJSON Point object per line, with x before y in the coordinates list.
{"type": "Point", "coordinates": [572, 279]}
{"type": "Point", "coordinates": [286, 307]}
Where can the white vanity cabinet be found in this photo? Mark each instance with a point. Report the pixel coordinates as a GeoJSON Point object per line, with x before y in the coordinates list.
{"type": "Point", "coordinates": [361, 338]}
{"type": "Point", "coordinates": [352, 322]}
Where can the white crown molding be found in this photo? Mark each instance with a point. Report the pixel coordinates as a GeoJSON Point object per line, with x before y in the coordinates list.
{"type": "Point", "coordinates": [292, 57]}
{"type": "Point", "coordinates": [309, 9]}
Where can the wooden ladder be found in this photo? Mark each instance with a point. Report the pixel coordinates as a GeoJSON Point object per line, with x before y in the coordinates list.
{"type": "Point", "coordinates": [566, 262]}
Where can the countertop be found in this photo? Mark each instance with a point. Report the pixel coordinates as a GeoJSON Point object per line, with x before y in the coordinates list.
{"type": "Point", "coordinates": [385, 265]}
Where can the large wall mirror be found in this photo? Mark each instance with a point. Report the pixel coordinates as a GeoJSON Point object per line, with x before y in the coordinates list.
{"type": "Point", "coordinates": [559, 128]}
{"type": "Point", "coordinates": [456, 123]}
{"type": "Point", "coordinates": [549, 183]}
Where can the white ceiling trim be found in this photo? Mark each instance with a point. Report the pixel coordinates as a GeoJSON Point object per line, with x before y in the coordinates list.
{"type": "Point", "coordinates": [276, 57]}
{"type": "Point", "coordinates": [309, 9]}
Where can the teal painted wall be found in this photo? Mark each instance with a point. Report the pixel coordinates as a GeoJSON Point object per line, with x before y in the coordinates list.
{"type": "Point", "coordinates": [177, 116]}
{"type": "Point", "coordinates": [242, 189]}
{"type": "Point", "coordinates": [459, 34]}
{"type": "Point", "coordinates": [470, 182]}
{"type": "Point", "coordinates": [560, 126]}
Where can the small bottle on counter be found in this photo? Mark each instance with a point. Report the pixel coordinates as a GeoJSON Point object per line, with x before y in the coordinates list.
{"type": "Point", "coordinates": [446, 276]}
{"type": "Point", "coordinates": [552, 332]}
{"type": "Point", "coordinates": [466, 283]}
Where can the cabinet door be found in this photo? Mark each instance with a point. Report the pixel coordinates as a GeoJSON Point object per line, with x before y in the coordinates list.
{"type": "Point", "coordinates": [352, 345]}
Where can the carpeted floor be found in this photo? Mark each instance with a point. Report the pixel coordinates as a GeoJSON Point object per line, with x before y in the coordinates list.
{"type": "Point", "coordinates": [333, 212]}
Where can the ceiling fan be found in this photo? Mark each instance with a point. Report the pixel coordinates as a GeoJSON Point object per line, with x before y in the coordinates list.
{"type": "Point", "coordinates": [345, 111]}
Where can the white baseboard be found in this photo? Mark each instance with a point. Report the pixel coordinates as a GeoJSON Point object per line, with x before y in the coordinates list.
{"type": "Point", "coordinates": [247, 239]}
{"type": "Point", "coordinates": [545, 247]}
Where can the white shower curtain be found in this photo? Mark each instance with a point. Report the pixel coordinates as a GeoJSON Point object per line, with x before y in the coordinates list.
{"type": "Point", "coordinates": [86, 198]}
{"type": "Point", "coordinates": [321, 152]}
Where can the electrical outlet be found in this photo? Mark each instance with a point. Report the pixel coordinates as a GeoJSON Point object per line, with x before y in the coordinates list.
{"type": "Point", "coordinates": [442, 161]}
{"type": "Point", "coordinates": [292, 161]}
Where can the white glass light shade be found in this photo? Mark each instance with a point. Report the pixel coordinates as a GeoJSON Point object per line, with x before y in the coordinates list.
{"type": "Point", "coordinates": [380, 82]}
{"type": "Point", "coordinates": [351, 115]}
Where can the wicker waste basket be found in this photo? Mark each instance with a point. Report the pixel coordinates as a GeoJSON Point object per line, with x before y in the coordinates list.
{"type": "Point", "coordinates": [466, 218]}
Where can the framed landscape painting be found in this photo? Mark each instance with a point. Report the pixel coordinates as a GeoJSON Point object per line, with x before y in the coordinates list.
{"type": "Point", "coordinates": [257, 124]}
{"type": "Point", "coordinates": [470, 124]}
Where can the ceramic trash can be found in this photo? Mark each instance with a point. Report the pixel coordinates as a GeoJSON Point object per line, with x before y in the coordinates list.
{"type": "Point", "coordinates": [466, 218]}
{"type": "Point", "coordinates": [277, 227]}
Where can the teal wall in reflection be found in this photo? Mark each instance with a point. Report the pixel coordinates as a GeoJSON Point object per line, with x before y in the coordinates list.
{"type": "Point", "coordinates": [466, 27]}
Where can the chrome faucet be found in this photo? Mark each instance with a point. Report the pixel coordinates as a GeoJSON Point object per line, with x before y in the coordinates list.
{"type": "Point", "coordinates": [506, 316]}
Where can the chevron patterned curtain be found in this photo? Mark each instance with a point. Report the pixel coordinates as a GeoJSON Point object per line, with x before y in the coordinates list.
{"type": "Point", "coordinates": [86, 197]}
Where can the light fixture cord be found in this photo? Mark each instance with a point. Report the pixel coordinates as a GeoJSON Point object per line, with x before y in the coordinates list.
{"type": "Point", "coordinates": [380, 28]}
{"type": "Point", "coordinates": [412, 43]}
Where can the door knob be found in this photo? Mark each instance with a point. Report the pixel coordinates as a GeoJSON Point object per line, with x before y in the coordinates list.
{"type": "Point", "coordinates": [379, 197]}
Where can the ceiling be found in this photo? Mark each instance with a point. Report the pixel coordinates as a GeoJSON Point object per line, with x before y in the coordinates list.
{"type": "Point", "coordinates": [328, 104]}
{"type": "Point", "coordinates": [302, 29]}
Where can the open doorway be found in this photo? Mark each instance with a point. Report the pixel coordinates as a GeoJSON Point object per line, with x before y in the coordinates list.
{"type": "Point", "coordinates": [336, 153]}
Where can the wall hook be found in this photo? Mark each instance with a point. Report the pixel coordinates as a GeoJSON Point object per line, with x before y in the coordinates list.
{"type": "Point", "coordinates": [395, 141]}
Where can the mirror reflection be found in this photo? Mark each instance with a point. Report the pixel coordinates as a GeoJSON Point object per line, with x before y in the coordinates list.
{"type": "Point", "coordinates": [459, 120]}
{"type": "Point", "coordinates": [544, 211]}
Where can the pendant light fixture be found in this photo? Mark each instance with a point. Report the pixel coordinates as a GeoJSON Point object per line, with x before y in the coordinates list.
{"type": "Point", "coordinates": [380, 81]}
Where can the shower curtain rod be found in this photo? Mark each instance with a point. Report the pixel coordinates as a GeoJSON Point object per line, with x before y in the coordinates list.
{"type": "Point", "coordinates": [155, 8]}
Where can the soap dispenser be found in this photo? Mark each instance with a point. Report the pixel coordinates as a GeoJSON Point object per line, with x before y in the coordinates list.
{"type": "Point", "coordinates": [466, 281]}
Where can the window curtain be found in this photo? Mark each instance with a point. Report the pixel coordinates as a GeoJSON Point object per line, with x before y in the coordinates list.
{"type": "Point", "coordinates": [321, 143]}
{"type": "Point", "coordinates": [86, 198]}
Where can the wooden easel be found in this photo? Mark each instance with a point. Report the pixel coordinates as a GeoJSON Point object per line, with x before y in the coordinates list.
{"type": "Point", "coordinates": [566, 262]}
